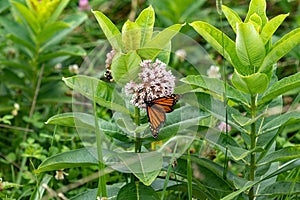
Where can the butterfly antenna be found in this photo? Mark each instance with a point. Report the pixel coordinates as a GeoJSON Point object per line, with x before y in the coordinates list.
{"type": "Point", "coordinates": [225, 167]}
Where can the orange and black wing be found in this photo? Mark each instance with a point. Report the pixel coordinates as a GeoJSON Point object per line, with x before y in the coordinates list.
{"type": "Point", "coordinates": [156, 111]}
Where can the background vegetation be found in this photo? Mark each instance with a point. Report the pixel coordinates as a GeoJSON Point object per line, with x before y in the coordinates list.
{"type": "Point", "coordinates": [34, 56]}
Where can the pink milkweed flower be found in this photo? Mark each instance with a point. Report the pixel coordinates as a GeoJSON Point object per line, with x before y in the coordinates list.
{"type": "Point", "coordinates": [84, 5]}
{"type": "Point", "coordinates": [154, 81]}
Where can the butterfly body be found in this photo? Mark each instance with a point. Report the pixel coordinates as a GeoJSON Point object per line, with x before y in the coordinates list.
{"type": "Point", "coordinates": [157, 109]}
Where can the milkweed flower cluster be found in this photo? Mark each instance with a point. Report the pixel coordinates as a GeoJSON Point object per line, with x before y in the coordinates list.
{"type": "Point", "coordinates": [109, 57]}
{"type": "Point", "coordinates": [154, 81]}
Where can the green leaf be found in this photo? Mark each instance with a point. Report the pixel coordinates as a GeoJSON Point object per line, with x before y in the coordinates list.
{"type": "Point", "coordinates": [271, 26]}
{"type": "Point", "coordinates": [216, 86]}
{"type": "Point", "coordinates": [111, 32]}
{"type": "Point", "coordinates": [210, 179]}
{"type": "Point", "coordinates": [72, 21]}
{"type": "Point", "coordinates": [252, 84]}
{"type": "Point", "coordinates": [282, 86]}
{"type": "Point", "coordinates": [152, 48]}
{"type": "Point", "coordinates": [232, 17]}
{"type": "Point", "coordinates": [279, 121]}
{"type": "Point", "coordinates": [145, 166]}
{"type": "Point", "coordinates": [281, 188]}
{"type": "Point", "coordinates": [125, 67]}
{"type": "Point", "coordinates": [146, 23]}
{"type": "Point", "coordinates": [131, 36]}
{"type": "Point", "coordinates": [58, 10]}
{"type": "Point", "coordinates": [249, 46]}
{"type": "Point", "coordinates": [137, 191]}
{"type": "Point", "coordinates": [245, 121]}
{"type": "Point", "coordinates": [89, 194]}
{"type": "Point", "coordinates": [26, 46]}
{"type": "Point", "coordinates": [180, 120]}
{"type": "Point", "coordinates": [216, 109]}
{"type": "Point", "coordinates": [112, 192]}
{"type": "Point", "coordinates": [283, 168]}
{"type": "Point", "coordinates": [74, 158]}
{"type": "Point", "coordinates": [49, 30]}
{"type": "Point", "coordinates": [64, 51]}
{"type": "Point", "coordinates": [221, 42]}
{"type": "Point", "coordinates": [238, 153]}
{"type": "Point", "coordinates": [28, 16]}
{"type": "Point", "coordinates": [282, 155]}
{"type": "Point", "coordinates": [86, 121]}
{"type": "Point", "coordinates": [39, 191]}
{"type": "Point", "coordinates": [280, 48]}
{"type": "Point", "coordinates": [104, 93]}
{"type": "Point", "coordinates": [258, 7]}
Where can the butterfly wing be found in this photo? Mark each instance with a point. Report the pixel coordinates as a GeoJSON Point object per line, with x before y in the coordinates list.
{"type": "Point", "coordinates": [156, 111]}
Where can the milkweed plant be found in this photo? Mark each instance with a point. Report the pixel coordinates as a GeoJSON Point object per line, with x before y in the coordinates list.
{"type": "Point", "coordinates": [248, 105]}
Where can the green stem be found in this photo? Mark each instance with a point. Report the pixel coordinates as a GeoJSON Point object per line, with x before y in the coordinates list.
{"type": "Point", "coordinates": [189, 175]}
{"type": "Point", "coordinates": [102, 192]}
{"type": "Point", "coordinates": [253, 137]}
{"type": "Point", "coordinates": [138, 142]}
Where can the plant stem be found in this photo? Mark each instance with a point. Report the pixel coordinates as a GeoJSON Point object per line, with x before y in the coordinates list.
{"type": "Point", "coordinates": [189, 175]}
{"type": "Point", "coordinates": [253, 137]}
{"type": "Point", "coordinates": [102, 192]}
{"type": "Point", "coordinates": [138, 142]}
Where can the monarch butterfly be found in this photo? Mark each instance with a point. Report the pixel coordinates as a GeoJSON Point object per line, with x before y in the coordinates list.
{"type": "Point", "coordinates": [157, 109]}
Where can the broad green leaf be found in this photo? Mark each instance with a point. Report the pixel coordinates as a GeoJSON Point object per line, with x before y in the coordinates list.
{"type": "Point", "coordinates": [281, 188]}
{"type": "Point", "coordinates": [249, 47]}
{"type": "Point", "coordinates": [255, 20]}
{"type": "Point", "coordinates": [101, 91]}
{"type": "Point", "coordinates": [282, 86]}
{"type": "Point", "coordinates": [73, 21]}
{"type": "Point", "coordinates": [280, 49]}
{"type": "Point", "coordinates": [232, 17]}
{"type": "Point", "coordinates": [58, 10]}
{"type": "Point", "coordinates": [74, 158]}
{"type": "Point", "coordinates": [283, 168]}
{"type": "Point", "coordinates": [152, 48]}
{"type": "Point", "coordinates": [221, 42]}
{"type": "Point", "coordinates": [180, 120]}
{"type": "Point", "coordinates": [282, 155]}
{"type": "Point", "coordinates": [146, 23]}
{"type": "Point", "coordinates": [145, 166]}
{"type": "Point", "coordinates": [253, 84]}
{"type": "Point", "coordinates": [131, 36]}
{"type": "Point", "coordinates": [279, 121]}
{"type": "Point", "coordinates": [64, 51]}
{"type": "Point", "coordinates": [137, 191]}
{"type": "Point", "coordinates": [4, 5]}
{"type": "Point", "coordinates": [26, 46]}
{"type": "Point", "coordinates": [89, 194]}
{"type": "Point", "coordinates": [18, 31]}
{"type": "Point", "coordinates": [86, 121]}
{"type": "Point", "coordinates": [125, 67]}
{"type": "Point", "coordinates": [39, 191]}
{"type": "Point", "coordinates": [112, 192]}
{"type": "Point", "coordinates": [245, 121]}
{"type": "Point", "coordinates": [110, 30]}
{"type": "Point", "coordinates": [49, 31]}
{"type": "Point", "coordinates": [28, 16]}
{"type": "Point", "coordinates": [258, 7]}
{"type": "Point", "coordinates": [271, 26]}
{"type": "Point", "coordinates": [238, 153]}
{"type": "Point", "coordinates": [216, 109]}
{"type": "Point", "coordinates": [216, 86]}
{"type": "Point", "coordinates": [210, 179]}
